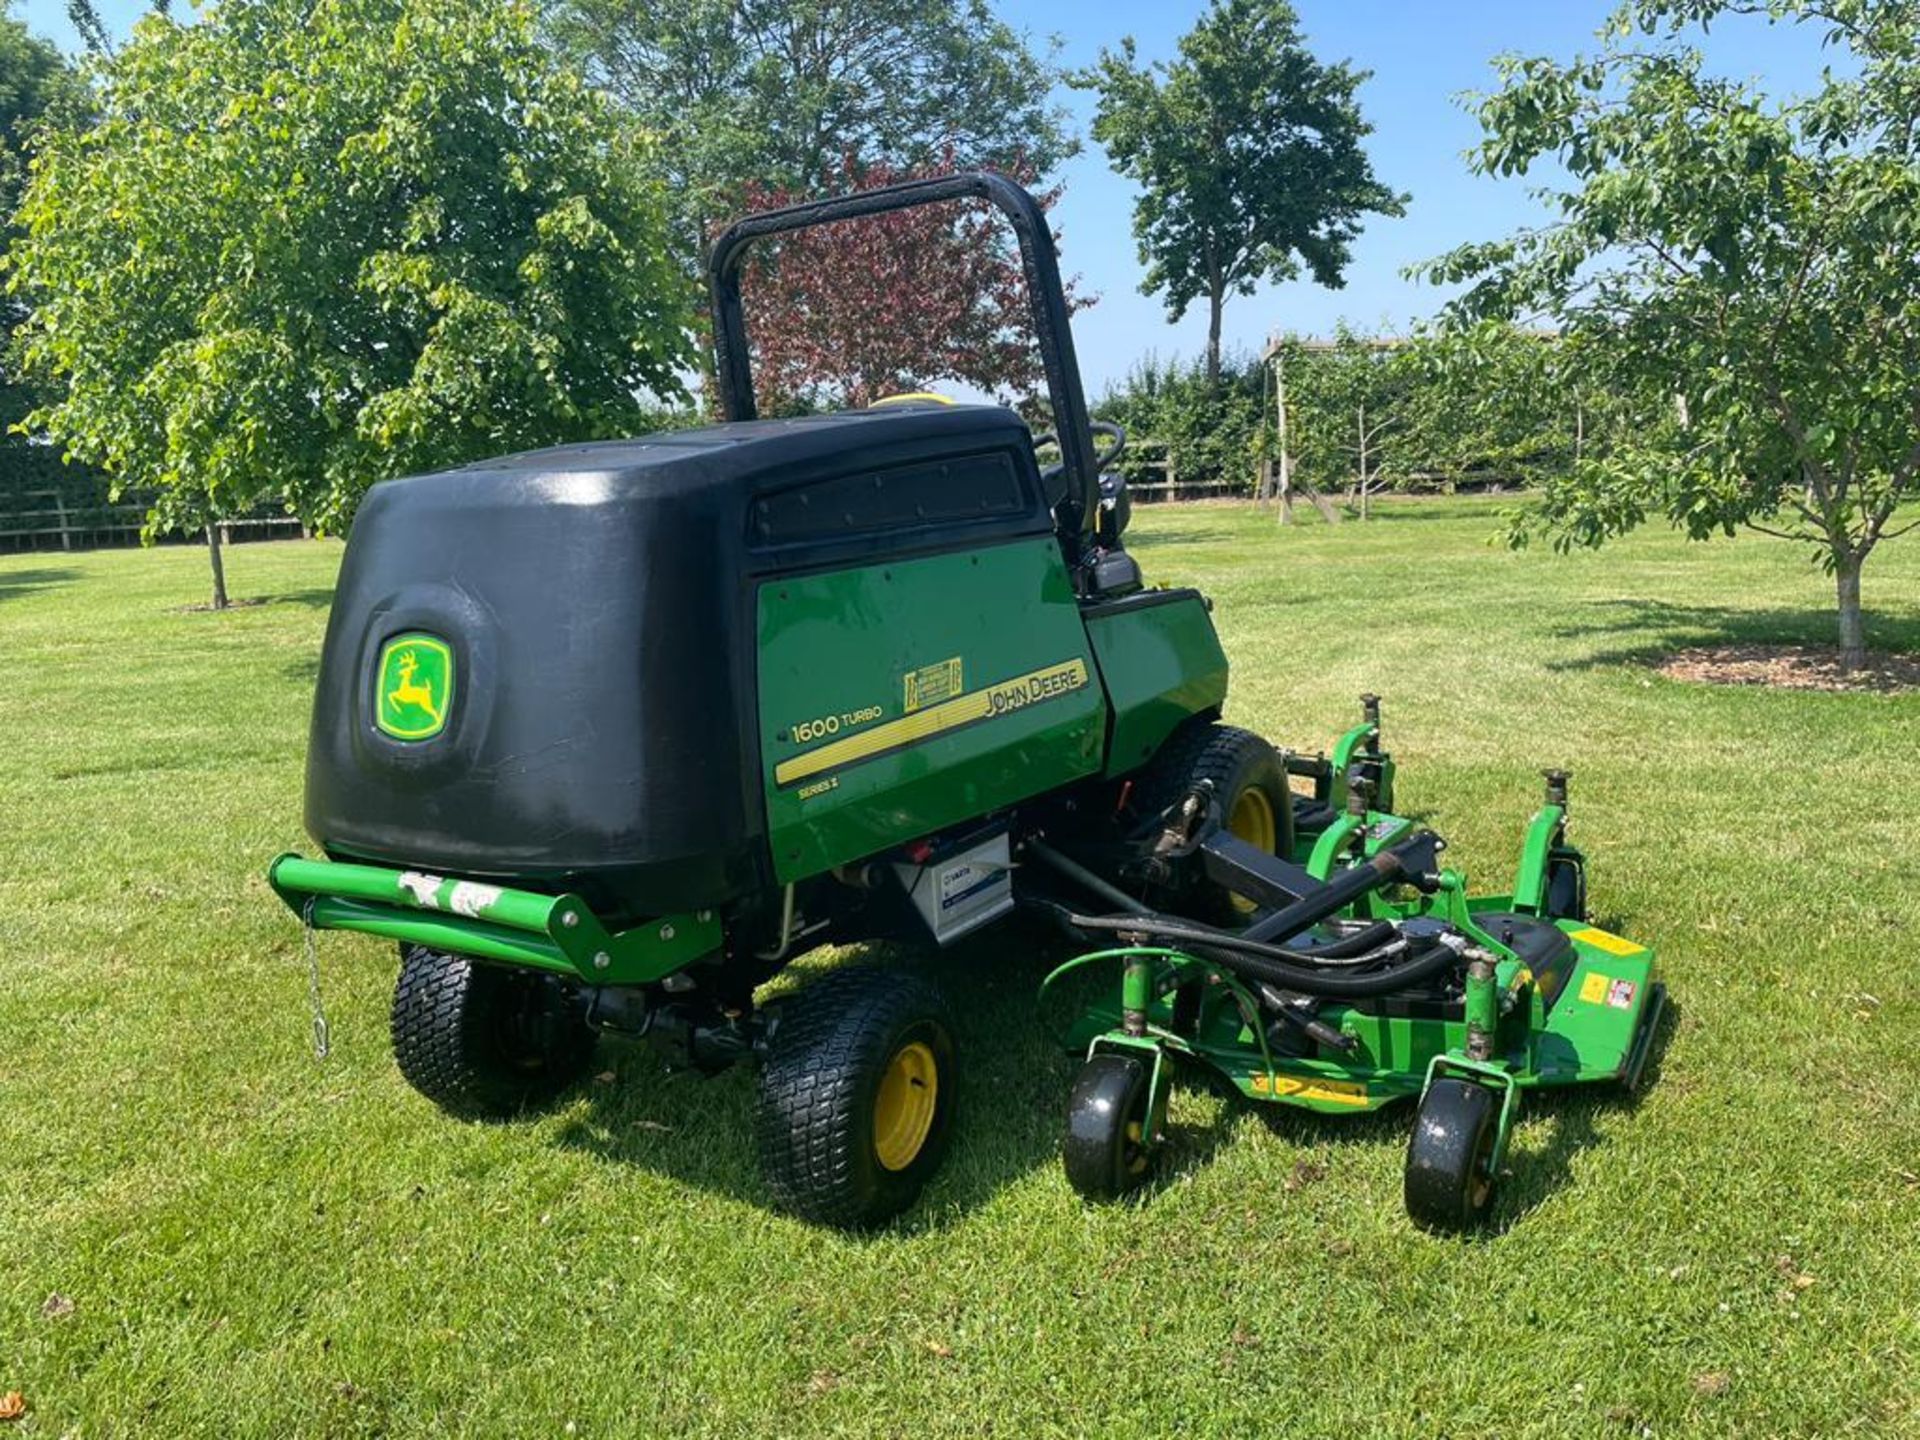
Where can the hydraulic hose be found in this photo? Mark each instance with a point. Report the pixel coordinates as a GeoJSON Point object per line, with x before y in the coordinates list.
{"type": "Point", "coordinates": [1249, 958]}
{"type": "Point", "coordinates": [1251, 955]}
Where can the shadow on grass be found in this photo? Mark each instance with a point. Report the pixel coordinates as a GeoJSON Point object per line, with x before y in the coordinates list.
{"type": "Point", "coordinates": [15, 583]}
{"type": "Point", "coordinates": [1155, 536]}
{"type": "Point", "coordinates": [1658, 628]}
{"type": "Point", "coordinates": [1540, 1172]}
{"type": "Point", "coordinates": [316, 598]}
{"type": "Point", "coordinates": [1009, 1112]}
{"type": "Point", "coordinates": [304, 668]}
{"type": "Point", "coordinates": [1013, 1082]}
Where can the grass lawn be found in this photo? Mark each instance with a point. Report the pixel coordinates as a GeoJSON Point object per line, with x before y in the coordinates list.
{"type": "Point", "coordinates": [254, 1243]}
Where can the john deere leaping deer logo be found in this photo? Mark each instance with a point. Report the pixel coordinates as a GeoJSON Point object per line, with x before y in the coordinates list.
{"type": "Point", "coordinates": [416, 687]}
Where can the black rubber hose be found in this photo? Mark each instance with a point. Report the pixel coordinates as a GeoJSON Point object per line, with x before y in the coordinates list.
{"type": "Point", "coordinates": [1253, 958]}
{"type": "Point", "coordinates": [1244, 957]}
{"type": "Point", "coordinates": [1345, 948]}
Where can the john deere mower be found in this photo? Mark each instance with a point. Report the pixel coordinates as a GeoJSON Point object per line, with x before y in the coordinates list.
{"type": "Point", "coordinates": [606, 735]}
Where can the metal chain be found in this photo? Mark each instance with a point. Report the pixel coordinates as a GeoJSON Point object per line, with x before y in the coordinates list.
{"type": "Point", "coordinates": [321, 1044]}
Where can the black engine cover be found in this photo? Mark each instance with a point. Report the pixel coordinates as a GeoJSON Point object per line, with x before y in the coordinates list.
{"type": "Point", "coordinates": [598, 603]}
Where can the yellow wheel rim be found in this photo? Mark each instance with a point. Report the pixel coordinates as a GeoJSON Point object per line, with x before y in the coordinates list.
{"type": "Point", "coordinates": [903, 1110]}
{"type": "Point", "coordinates": [1251, 820]}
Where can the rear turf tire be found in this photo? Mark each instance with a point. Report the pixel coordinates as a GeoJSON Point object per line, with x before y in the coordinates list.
{"type": "Point", "coordinates": [1449, 1183]}
{"type": "Point", "coordinates": [485, 1041]}
{"type": "Point", "coordinates": [856, 1097]}
{"type": "Point", "coordinates": [1250, 782]}
{"type": "Point", "coordinates": [1106, 1150]}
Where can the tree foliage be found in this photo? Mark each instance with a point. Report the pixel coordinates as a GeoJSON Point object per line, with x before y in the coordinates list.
{"type": "Point", "coordinates": [1351, 410]}
{"type": "Point", "coordinates": [776, 94]}
{"type": "Point", "coordinates": [38, 89]}
{"type": "Point", "coordinates": [311, 244]}
{"type": "Point", "coordinates": [852, 312]}
{"type": "Point", "coordinates": [36, 85]}
{"type": "Point", "coordinates": [1496, 402]}
{"type": "Point", "coordinates": [1215, 429]}
{"type": "Point", "coordinates": [1247, 151]}
{"type": "Point", "coordinates": [1755, 265]}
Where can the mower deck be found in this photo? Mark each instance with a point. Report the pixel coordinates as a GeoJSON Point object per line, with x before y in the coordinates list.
{"type": "Point", "coordinates": [1547, 999]}
{"type": "Point", "coordinates": [1599, 1032]}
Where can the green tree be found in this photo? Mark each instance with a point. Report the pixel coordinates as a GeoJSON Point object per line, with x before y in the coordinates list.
{"type": "Point", "coordinates": [783, 94]}
{"type": "Point", "coordinates": [1753, 265]}
{"type": "Point", "coordinates": [1247, 151]}
{"type": "Point", "coordinates": [36, 84]}
{"type": "Point", "coordinates": [96, 38]}
{"type": "Point", "coordinates": [1349, 407]}
{"type": "Point", "coordinates": [1212, 430]}
{"type": "Point", "coordinates": [37, 87]}
{"type": "Point", "coordinates": [311, 244]}
{"type": "Point", "coordinates": [1498, 402]}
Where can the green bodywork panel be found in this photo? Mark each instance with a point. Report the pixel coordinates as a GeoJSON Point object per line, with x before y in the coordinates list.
{"type": "Point", "coordinates": [900, 698]}
{"type": "Point", "coordinates": [515, 927]}
{"type": "Point", "coordinates": [1162, 664]}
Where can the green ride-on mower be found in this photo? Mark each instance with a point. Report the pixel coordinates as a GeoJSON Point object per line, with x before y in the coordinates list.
{"type": "Point", "coordinates": [606, 735]}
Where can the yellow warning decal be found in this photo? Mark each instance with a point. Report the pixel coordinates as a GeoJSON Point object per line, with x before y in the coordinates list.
{"type": "Point", "coordinates": [1049, 682]}
{"type": "Point", "coordinates": [1291, 1087]}
{"type": "Point", "coordinates": [1593, 989]}
{"type": "Point", "coordinates": [1601, 940]}
{"type": "Point", "coordinates": [931, 684]}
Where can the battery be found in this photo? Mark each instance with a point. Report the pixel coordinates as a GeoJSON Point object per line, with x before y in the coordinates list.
{"type": "Point", "coordinates": [961, 888]}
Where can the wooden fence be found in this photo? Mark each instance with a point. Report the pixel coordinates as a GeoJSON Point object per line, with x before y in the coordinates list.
{"type": "Point", "coordinates": [55, 520]}
{"type": "Point", "coordinates": [1158, 455]}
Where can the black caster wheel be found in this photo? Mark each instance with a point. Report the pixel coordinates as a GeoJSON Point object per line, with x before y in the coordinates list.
{"type": "Point", "coordinates": [1107, 1147]}
{"type": "Point", "coordinates": [1449, 1180]}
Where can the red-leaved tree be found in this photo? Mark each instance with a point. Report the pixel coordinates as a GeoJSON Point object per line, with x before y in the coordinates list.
{"type": "Point", "coordinates": [850, 313]}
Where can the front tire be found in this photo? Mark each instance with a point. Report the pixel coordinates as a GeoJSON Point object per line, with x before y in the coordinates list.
{"type": "Point", "coordinates": [856, 1097]}
{"type": "Point", "coordinates": [1107, 1147]}
{"type": "Point", "coordinates": [1449, 1178]}
{"type": "Point", "coordinates": [485, 1041]}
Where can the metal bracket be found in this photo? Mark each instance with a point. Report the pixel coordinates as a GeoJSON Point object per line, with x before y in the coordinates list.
{"type": "Point", "coordinates": [1495, 1077]}
{"type": "Point", "coordinates": [1159, 1078]}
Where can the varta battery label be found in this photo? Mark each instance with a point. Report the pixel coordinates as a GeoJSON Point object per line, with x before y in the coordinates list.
{"type": "Point", "coordinates": [990, 702]}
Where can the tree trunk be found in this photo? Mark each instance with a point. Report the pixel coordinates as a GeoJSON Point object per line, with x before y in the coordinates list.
{"type": "Point", "coordinates": [1216, 302]}
{"type": "Point", "coordinates": [1853, 631]}
{"type": "Point", "coordinates": [1284, 477]}
{"type": "Point", "coordinates": [1363, 462]}
{"type": "Point", "coordinates": [219, 569]}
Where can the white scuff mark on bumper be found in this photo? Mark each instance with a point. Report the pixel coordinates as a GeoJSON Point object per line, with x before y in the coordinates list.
{"type": "Point", "coordinates": [423, 888]}
{"type": "Point", "coordinates": [470, 899]}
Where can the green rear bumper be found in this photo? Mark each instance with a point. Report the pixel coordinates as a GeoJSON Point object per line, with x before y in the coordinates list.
{"type": "Point", "coordinates": [490, 922]}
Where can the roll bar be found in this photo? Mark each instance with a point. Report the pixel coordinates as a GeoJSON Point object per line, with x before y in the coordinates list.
{"type": "Point", "coordinates": [1046, 296]}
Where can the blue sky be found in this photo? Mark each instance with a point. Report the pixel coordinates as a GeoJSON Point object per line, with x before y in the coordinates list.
{"type": "Point", "coordinates": [1423, 55]}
